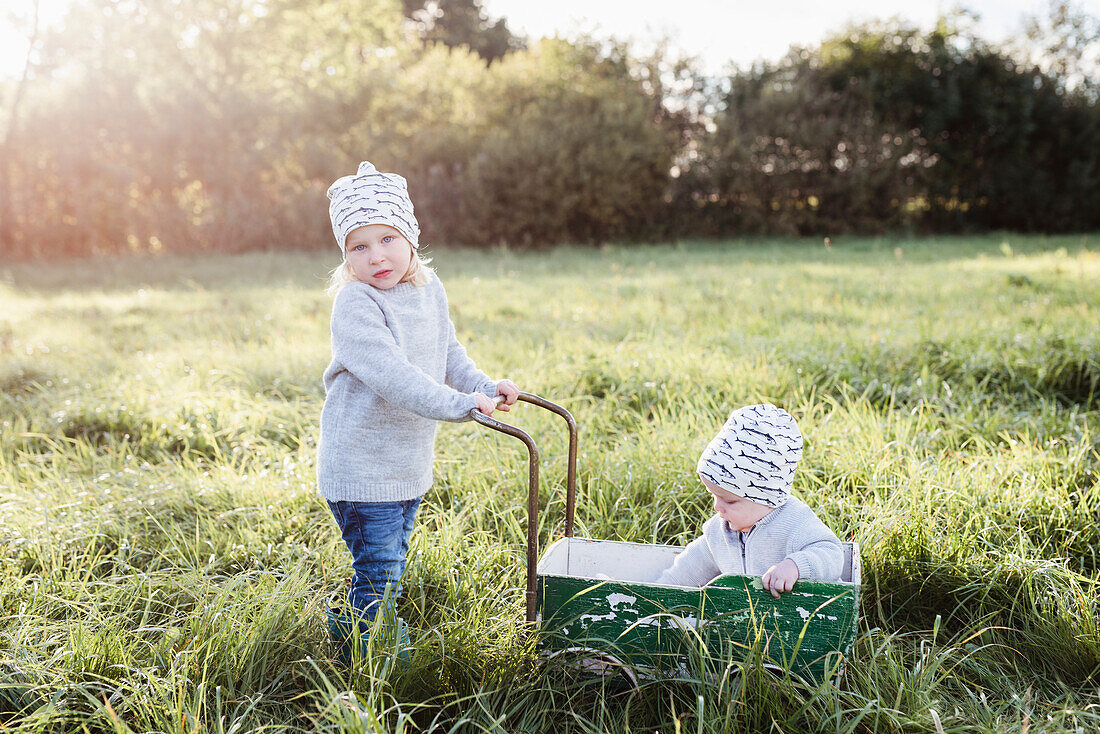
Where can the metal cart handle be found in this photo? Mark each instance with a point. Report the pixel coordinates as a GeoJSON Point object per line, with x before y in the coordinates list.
{"type": "Point", "coordinates": [533, 481]}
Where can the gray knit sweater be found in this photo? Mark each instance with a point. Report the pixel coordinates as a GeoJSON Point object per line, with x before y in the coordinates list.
{"type": "Point", "coordinates": [396, 369]}
{"type": "Point", "coordinates": [789, 531]}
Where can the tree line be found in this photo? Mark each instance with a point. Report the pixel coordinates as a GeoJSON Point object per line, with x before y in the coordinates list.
{"type": "Point", "coordinates": [188, 125]}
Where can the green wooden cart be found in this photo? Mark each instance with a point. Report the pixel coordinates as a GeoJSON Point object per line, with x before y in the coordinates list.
{"type": "Point", "coordinates": [596, 598]}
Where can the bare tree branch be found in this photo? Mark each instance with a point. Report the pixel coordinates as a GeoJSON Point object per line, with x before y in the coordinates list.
{"type": "Point", "coordinates": [21, 89]}
{"type": "Point", "coordinates": [7, 165]}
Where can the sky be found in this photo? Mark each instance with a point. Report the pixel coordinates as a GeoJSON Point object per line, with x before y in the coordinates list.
{"type": "Point", "coordinates": [717, 31]}
{"type": "Point", "coordinates": [743, 31]}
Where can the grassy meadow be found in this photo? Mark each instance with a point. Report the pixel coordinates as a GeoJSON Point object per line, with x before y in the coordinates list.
{"type": "Point", "coordinates": [166, 561]}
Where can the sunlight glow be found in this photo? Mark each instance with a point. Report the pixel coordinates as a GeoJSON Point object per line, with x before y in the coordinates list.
{"type": "Point", "coordinates": [14, 35]}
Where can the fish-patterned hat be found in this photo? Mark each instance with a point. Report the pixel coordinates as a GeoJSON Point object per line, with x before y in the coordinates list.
{"type": "Point", "coordinates": [371, 197]}
{"type": "Point", "coordinates": [754, 455]}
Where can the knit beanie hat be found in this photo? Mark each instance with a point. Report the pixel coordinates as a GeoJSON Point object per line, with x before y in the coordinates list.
{"type": "Point", "coordinates": [371, 197]}
{"type": "Point", "coordinates": [754, 455]}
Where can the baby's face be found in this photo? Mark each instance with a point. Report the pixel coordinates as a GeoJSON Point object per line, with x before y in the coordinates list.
{"type": "Point", "coordinates": [740, 513]}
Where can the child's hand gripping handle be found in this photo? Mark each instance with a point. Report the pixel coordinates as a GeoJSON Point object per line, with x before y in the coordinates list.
{"type": "Point", "coordinates": [486, 405]}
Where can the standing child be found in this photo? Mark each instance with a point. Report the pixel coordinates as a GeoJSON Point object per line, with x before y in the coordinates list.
{"type": "Point", "coordinates": [758, 527]}
{"type": "Point", "coordinates": [396, 369]}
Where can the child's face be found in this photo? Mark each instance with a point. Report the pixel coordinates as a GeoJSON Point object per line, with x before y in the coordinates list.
{"type": "Point", "coordinates": [378, 255]}
{"type": "Point", "coordinates": [740, 513]}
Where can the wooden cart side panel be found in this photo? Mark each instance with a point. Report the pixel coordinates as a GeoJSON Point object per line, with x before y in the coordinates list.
{"type": "Point", "coordinates": [660, 626]}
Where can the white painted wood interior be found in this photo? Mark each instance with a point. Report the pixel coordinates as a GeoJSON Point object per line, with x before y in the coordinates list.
{"type": "Point", "coordinates": [634, 562]}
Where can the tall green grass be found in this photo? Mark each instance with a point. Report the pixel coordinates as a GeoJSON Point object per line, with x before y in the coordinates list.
{"type": "Point", "coordinates": [166, 561]}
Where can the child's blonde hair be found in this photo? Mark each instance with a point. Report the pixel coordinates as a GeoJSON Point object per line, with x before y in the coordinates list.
{"type": "Point", "coordinates": [417, 274]}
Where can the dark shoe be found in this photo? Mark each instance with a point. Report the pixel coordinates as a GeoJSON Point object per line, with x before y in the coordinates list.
{"type": "Point", "coordinates": [350, 628]}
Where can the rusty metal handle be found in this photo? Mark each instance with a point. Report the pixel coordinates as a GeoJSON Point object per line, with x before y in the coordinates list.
{"type": "Point", "coordinates": [571, 468]}
{"type": "Point", "coordinates": [533, 482]}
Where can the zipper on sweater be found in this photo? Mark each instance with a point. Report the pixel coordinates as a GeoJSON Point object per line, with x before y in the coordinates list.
{"type": "Point", "coordinates": [744, 563]}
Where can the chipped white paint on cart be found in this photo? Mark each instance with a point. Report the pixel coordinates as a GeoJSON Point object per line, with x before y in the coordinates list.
{"type": "Point", "coordinates": [670, 621]}
{"type": "Point", "coordinates": [587, 619]}
{"type": "Point", "coordinates": [616, 599]}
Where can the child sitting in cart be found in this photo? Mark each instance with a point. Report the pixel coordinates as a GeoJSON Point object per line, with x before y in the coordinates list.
{"type": "Point", "coordinates": [758, 526]}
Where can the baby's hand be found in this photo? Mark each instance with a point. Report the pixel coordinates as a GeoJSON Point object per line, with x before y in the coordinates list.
{"type": "Point", "coordinates": [780, 577]}
{"type": "Point", "coordinates": [508, 389]}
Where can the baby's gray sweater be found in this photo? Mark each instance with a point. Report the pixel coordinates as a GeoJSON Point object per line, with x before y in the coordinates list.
{"type": "Point", "coordinates": [396, 369]}
{"type": "Point", "coordinates": [789, 531]}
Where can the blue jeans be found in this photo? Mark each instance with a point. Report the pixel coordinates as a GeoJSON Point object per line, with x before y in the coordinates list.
{"type": "Point", "coordinates": [377, 534]}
